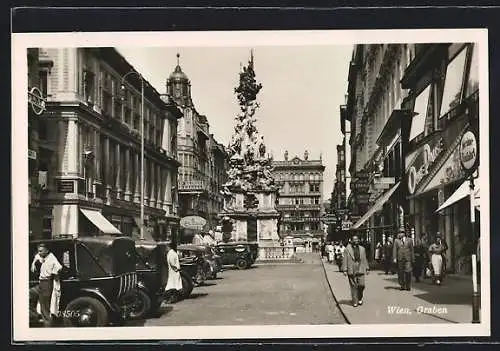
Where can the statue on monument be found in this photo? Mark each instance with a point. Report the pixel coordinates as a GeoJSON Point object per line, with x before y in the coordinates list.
{"type": "Point", "coordinates": [250, 169]}
{"type": "Point", "coordinates": [247, 149]}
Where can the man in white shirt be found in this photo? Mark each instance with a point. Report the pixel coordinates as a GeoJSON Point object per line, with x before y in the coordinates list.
{"type": "Point", "coordinates": [48, 267]}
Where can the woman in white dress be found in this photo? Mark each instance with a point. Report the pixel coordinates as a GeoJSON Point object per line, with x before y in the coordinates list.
{"type": "Point", "coordinates": [174, 282]}
{"type": "Point", "coordinates": [436, 251]}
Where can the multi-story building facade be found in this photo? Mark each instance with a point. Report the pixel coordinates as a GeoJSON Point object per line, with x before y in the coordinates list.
{"type": "Point", "coordinates": [374, 94]}
{"type": "Point", "coordinates": [339, 198]}
{"type": "Point", "coordinates": [203, 159]}
{"type": "Point", "coordinates": [90, 148]}
{"type": "Point", "coordinates": [409, 106]}
{"type": "Point", "coordinates": [300, 200]}
{"type": "Point", "coordinates": [443, 81]}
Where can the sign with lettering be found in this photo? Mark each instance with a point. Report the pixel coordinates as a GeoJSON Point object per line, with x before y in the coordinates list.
{"type": "Point", "coordinates": [425, 158]}
{"type": "Point", "coordinates": [36, 100]}
{"type": "Point", "coordinates": [66, 186]}
{"type": "Point", "coordinates": [329, 218]}
{"type": "Point", "coordinates": [469, 151]}
{"type": "Point", "coordinates": [193, 222]}
{"type": "Point", "coordinates": [346, 225]}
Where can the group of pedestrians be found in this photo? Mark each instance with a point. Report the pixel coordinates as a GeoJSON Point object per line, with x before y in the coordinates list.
{"type": "Point", "coordinates": [414, 257]}
{"type": "Point", "coordinates": [333, 253]}
{"type": "Point", "coordinates": [404, 255]}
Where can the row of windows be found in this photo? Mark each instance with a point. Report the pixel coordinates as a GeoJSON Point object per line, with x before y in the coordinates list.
{"type": "Point", "coordinates": [301, 226]}
{"type": "Point", "coordinates": [302, 214]}
{"type": "Point", "coordinates": [299, 201]}
{"type": "Point", "coordinates": [298, 176]}
{"type": "Point", "coordinates": [104, 89]}
{"type": "Point", "coordinates": [119, 164]}
{"type": "Point", "coordinates": [459, 80]}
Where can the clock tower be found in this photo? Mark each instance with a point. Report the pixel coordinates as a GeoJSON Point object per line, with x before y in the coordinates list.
{"type": "Point", "coordinates": [179, 86]}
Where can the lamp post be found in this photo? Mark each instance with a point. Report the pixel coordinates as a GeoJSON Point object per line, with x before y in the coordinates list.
{"type": "Point", "coordinates": [142, 146]}
{"type": "Point", "coordinates": [469, 159]}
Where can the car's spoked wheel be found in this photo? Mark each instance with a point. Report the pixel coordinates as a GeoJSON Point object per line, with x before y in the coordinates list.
{"type": "Point", "coordinates": [85, 312]}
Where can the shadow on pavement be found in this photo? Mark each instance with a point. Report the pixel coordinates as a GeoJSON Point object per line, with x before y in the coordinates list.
{"type": "Point", "coordinates": [345, 302]}
{"type": "Point", "coordinates": [446, 299]}
{"type": "Point", "coordinates": [391, 287]}
{"type": "Point", "coordinates": [196, 296]}
{"type": "Point", "coordinates": [207, 284]}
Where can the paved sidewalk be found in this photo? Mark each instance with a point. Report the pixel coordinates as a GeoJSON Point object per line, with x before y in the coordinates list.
{"type": "Point", "coordinates": [384, 303]}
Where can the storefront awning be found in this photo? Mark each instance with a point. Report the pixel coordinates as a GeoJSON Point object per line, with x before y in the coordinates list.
{"type": "Point", "coordinates": [100, 221]}
{"type": "Point", "coordinates": [462, 192]}
{"type": "Point", "coordinates": [378, 205]}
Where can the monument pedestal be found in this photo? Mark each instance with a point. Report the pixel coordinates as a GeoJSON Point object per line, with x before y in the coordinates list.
{"type": "Point", "coordinates": [255, 224]}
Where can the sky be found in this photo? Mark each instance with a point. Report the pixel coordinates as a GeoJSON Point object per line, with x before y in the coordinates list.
{"type": "Point", "coordinates": [302, 90]}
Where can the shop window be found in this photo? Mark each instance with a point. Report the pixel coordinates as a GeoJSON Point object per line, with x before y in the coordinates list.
{"type": "Point", "coordinates": [473, 82]}
{"type": "Point", "coordinates": [418, 121]}
{"type": "Point", "coordinates": [453, 83]}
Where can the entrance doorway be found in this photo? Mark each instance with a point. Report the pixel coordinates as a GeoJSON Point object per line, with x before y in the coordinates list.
{"type": "Point", "coordinates": [252, 229]}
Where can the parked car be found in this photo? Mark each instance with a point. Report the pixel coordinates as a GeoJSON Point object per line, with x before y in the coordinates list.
{"type": "Point", "coordinates": [241, 254]}
{"type": "Point", "coordinates": [206, 265]}
{"type": "Point", "coordinates": [152, 275]}
{"type": "Point", "coordinates": [97, 272]}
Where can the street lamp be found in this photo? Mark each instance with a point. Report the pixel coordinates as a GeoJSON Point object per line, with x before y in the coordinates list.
{"type": "Point", "coordinates": [142, 145]}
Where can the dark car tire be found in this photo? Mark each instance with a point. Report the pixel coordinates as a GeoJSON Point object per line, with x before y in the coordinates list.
{"type": "Point", "coordinates": [77, 305]}
{"type": "Point", "coordinates": [144, 303]}
{"type": "Point", "coordinates": [187, 286]}
{"type": "Point", "coordinates": [242, 263]}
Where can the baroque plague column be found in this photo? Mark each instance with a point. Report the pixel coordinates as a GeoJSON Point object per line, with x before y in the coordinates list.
{"type": "Point", "coordinates": [250, 193]}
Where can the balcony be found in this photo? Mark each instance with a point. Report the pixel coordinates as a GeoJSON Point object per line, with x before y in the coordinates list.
{"type": "Point", "coordinates": [193, 186]}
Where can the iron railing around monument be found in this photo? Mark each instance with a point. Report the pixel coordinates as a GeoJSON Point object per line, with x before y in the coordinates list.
{"type": "Point", "coordinates": [276, 253]}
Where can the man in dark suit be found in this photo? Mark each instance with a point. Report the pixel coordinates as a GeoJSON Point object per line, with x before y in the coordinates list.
{"type": "Point", "coordinates": [387, 255]}
{"type": "Point", "coordinates": [355, 267]}
{"type": "Point", "coordinates": [404, 257]}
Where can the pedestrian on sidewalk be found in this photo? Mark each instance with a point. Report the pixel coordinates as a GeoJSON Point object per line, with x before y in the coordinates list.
{"type": "Point", "coordinates": [420, 254]}
{"type": "Point", "coordinates": [436, 251]}
{"type": "Point", "coordinates": [174, 282]}
{"type": "Point", "coordinates": [330, 252]}
{"type": "Point", "coordinates": [355, 267]}
{"type": "Point", "coordinates": [404, 257]}
{"type": "Point", "coordinates": [339, 253]}
{"type": "Point", "coordinates": [387, 255]}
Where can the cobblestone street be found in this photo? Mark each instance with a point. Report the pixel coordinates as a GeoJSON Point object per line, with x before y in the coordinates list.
{"type": "Point", "coordinates": [264, 294]}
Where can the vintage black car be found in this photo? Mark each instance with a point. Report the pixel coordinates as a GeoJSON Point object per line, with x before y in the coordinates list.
{"type": "Point", "coordinates": [97, 272]}
{"type": "Point", "coordinates": [242, 254]}
{"type": "Point", "coordinates": [152, 275]}
{"type": "Point", "coordinates": [207, 268]}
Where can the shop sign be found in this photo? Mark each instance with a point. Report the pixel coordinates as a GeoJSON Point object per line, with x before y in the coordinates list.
{"type": "Point", "coordinates": [424, 160]}
{"type": "Point", "coordinates": [193, 222]}
{"type": "Point", "coordinates": [31, 154]}
{"type": "Point", "coordinates": [346, 225]}
{"type": "Point", "coordinates": [469, 151]}
{"type": "Point", "coordinates": [452, 169]}
{"type": "Point", "coordinates": [36, 100]}
{"type": "Point", "coordinates": [329, 218]}
{"type": "Point", "coordinates": [66, 186]}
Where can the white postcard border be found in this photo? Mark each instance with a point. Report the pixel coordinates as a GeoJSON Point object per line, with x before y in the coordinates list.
{"type": "Point", "coordinates": [20, 214]}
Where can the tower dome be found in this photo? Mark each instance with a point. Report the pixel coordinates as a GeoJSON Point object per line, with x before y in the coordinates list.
{"type": "Point", "coordinates": [178, 74]}
{"type": "Point", "coordinates": [179, 86]}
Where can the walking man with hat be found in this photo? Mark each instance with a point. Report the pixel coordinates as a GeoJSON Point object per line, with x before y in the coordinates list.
{"type": "Point", "coordinates": [404, 257]}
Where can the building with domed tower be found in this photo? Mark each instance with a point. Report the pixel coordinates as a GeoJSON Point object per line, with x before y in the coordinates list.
{"type": "Point", "coordinates": [203, 159]}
